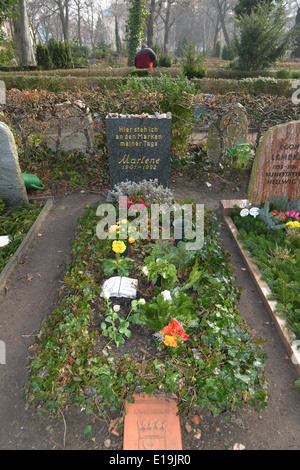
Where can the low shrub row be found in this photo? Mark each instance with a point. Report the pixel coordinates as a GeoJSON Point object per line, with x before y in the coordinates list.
{"type": "Point", "coordinates": [55, 82]}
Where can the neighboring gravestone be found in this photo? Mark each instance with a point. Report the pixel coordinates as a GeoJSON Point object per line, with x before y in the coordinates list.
{"type": "Point", "coordinates": [71, 127]}
{"type": "Point", "coordinates": [12, 188]}
{"type": "Point", "coordinates": [138, 149]}
{"type": "Point", "coordinates": [234, 128]}
{"type": "Point", "coordinates": [276, 166]}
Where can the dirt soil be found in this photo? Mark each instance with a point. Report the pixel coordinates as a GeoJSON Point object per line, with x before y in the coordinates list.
{"type": "Point", "coordinates": [30, 298]}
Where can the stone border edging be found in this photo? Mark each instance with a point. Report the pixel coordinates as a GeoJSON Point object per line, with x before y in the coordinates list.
{"type": "Point", "coordinates": [11, 264]}
{"type": "Point", "coordinates": [288, 337]}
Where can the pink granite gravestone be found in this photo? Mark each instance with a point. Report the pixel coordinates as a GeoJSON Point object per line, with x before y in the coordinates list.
{"type": "Point", "coordinates": [276, 166]}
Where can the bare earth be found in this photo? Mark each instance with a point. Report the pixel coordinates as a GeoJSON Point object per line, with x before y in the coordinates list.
{"type": "Point", "coordinates": [27, 302]}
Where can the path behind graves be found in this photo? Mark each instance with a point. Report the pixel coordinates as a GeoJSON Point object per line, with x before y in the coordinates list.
{"type": "Point", "coordinates": [31, 295]}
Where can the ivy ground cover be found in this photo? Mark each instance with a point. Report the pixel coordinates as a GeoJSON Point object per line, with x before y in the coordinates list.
{"type": "Point", "coordinates": [15, 223]}
{"type": "Point", "coordinates": [182, 334]}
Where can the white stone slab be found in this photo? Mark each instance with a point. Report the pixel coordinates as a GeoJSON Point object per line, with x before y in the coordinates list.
{"type": "Point", "coordinates": [120, 287]}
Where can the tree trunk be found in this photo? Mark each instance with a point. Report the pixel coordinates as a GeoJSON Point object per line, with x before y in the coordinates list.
{"type": "Point", "coordinates": [222, 8]}
{"type": "Point", "coordinates": [150, 22]}
{"type": "Point", "coordinates": [25, 46]}
{"type": "Point", "coordinates": [63, 7]}
{"type": "Point", "coordinates": [167, 26]}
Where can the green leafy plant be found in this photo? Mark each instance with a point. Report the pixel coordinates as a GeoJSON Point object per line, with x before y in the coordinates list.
{"type": "Point", "coordinates": [120, 264]}
{"type": "Point", "coordinates": [115, 326]}
{"type": "Point", "coordinates": [161, 267]}
{"type": "Point", "coordinates": [165, 60]}
{"type": "Point", "coordinates": [193, 63]}
{"type": "Point", "coordinates": [158, 312]}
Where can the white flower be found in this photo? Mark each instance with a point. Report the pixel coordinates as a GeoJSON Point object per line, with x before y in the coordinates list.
{"type": "Point", "coordinates": [166, 295]}
{"type": "Point", "coordinates": [142, 301]}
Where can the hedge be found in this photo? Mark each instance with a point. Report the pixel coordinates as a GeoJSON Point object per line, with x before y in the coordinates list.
{"type": "Point", "coordinates": [256, 86]}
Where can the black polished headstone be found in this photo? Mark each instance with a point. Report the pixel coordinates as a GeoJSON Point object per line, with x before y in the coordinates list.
{"type": "Point", "coordinates": [138, 149]}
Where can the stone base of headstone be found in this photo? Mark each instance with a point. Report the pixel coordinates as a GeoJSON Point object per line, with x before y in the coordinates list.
{"type": "Point", "coordinates": [151, 423]}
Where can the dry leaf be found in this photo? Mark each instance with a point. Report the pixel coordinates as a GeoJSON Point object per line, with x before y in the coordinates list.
{"type": "Point", "coordinates": [113, 425]}
{"type": "Point", "coordinates": [188, 427]}
{"type": "Point", "coordinates": [195, 419]}
{"type": "Point", "coordinates": [197, 435]}
{"type": "Point", "coordinates": [29, 277]}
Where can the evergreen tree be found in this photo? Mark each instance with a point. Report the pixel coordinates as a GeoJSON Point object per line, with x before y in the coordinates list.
{"type": "Point", "coordinates": [217, 51]}
{"type": "Point", "coordinates": [245, 7]}
{"type": "Point", "coordinates": [60, 53]}
{"type": "Point", "coordinates": [263, 38]}
{"type": "Point", "coordinates": [137, 15]}
{"type": "Point", "coordinates": [43, 57]}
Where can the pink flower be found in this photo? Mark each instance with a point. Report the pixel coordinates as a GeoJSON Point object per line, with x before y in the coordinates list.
{"type": "Point", "coordinates": [145, 270]}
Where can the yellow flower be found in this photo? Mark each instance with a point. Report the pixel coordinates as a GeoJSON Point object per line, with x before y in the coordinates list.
{"type": "Point", "coordinates": [170, 341]}
{"type": "Point", "coordinates": [293, 224]}
{"type": "Point", "coordinates": [118, 246]}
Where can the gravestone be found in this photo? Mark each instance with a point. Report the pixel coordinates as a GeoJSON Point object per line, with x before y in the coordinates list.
{"type": "Point", "coordinates": [138, 149]}
{"type": "Point", "coordinates": [70, 128]}
{"type": "Point", "coordinates": [234, 126]}
{"type": "Point", "coordinates": [276, 166]}
{"type": "Point", "coordinates": [12, 188]}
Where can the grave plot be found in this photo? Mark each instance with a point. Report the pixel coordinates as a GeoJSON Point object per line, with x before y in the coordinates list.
{"type": "Point", "coordinates": [266, 229]}
{"type": "Point", "coordinates": [181, 337]}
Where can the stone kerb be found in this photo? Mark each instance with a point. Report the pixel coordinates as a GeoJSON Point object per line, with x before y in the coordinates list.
{"type": "Point", "coordinates": [12, 188]}
{"type": "Point", "coordinates": [276, 166]}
